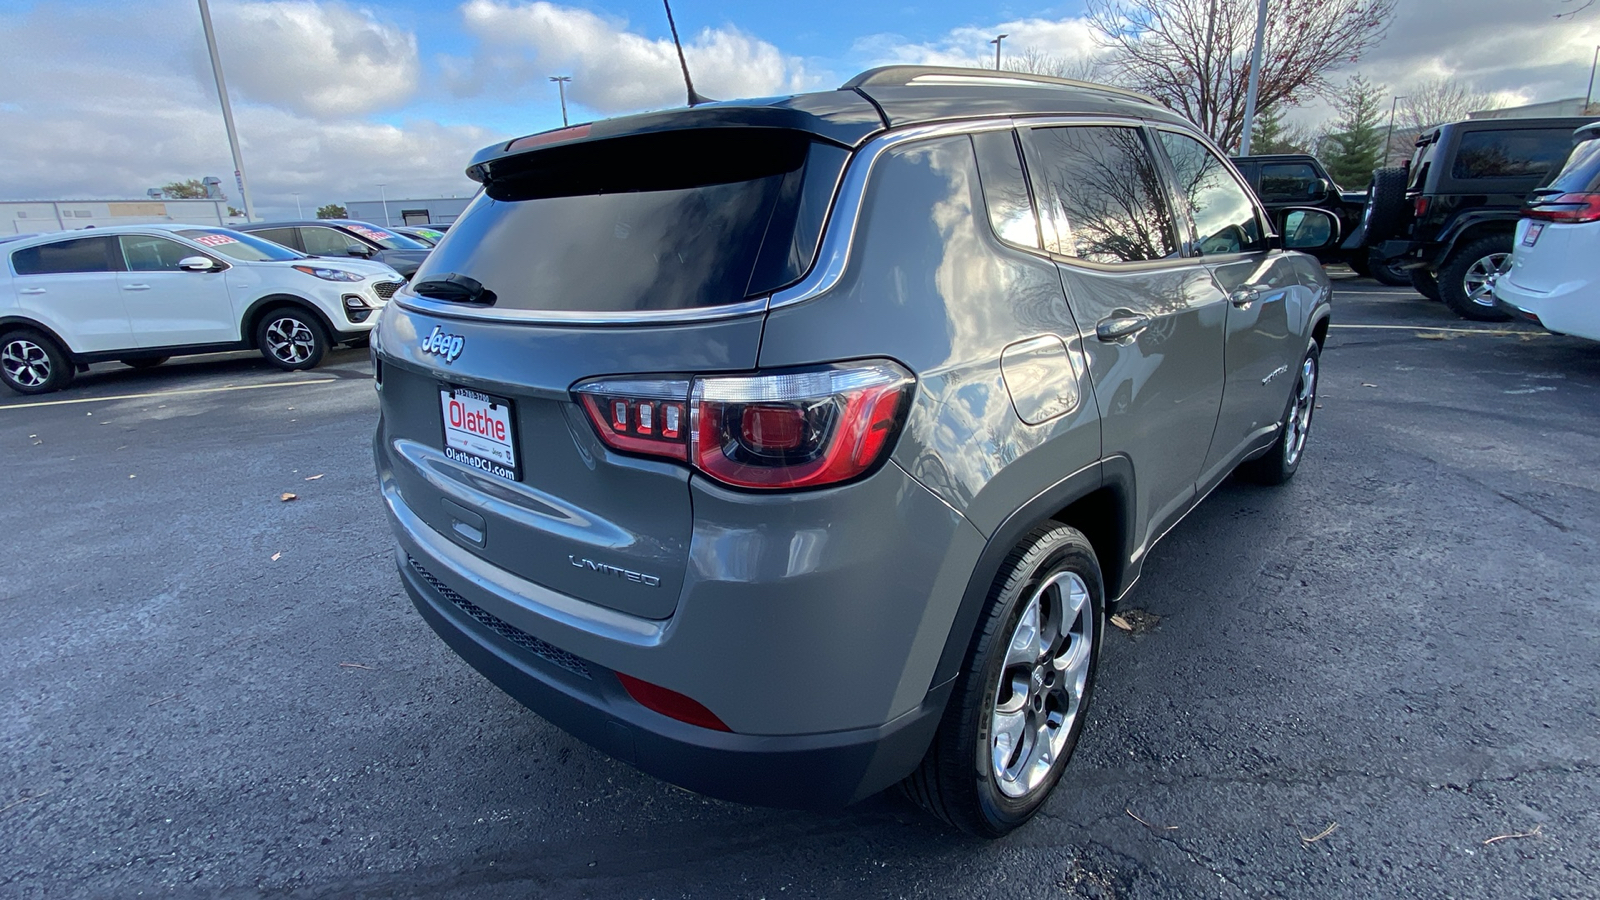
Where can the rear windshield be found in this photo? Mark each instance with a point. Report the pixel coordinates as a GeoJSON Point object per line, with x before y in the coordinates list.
{"type": "Point", "coordinates": [240, 246]}
{"type": "Point", "coordinates": [674, 220]}
{"type": "Point", "coordinates": [1581, 174]}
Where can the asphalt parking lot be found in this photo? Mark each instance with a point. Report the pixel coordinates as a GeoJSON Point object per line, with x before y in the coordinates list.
{"type": "Point", "coordinates": [1378, 681]}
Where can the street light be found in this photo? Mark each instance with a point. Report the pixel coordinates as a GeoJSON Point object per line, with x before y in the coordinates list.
{"type": "Point", "coordinates": [1388, 138]}
{"type": "Point", "coordinates": [561, 85]}
{"type": "Point", "coordinates": [227, 113]}
{"type": "Point", "coordinates": [996, 42]}
{"type": "Point", "coordinates": [384, 197]}
{"type": "Point", "coordinates": [1254, 84]}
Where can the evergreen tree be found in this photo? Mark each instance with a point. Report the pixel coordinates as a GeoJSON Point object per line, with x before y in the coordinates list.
{"type": "Point", "coordinates": [1355, 147]}
{"type": "Point", "coordinates": [1270, 134]}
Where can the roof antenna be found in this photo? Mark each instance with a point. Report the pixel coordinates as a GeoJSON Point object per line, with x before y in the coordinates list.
{"type": "Point", "coordinates": [694, 98]}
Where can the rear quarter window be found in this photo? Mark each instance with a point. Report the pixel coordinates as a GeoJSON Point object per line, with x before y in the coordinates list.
{"type": "Point", "coordinates": [63, 257]}
{"type": "Point", "coordinates": [1520, 153]}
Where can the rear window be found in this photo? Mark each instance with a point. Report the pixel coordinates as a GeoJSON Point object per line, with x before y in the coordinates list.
{"type": "Point", "coordinates": [1581, 174]}
{"type": "Point", "coordinates": [1521, 153]}
{"type": "Point", "coordinates": [674, 220]}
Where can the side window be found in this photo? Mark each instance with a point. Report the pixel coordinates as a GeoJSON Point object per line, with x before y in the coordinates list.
{"type": "Point", "coordinates": [144, 253]}
{"type": "Point", "coordinates": [284, 236]}
{"type": "Point", "coordinates": [1103, 195]}
{"type": "Point", "coordinates": [61, 257]}
{"type": "Point", "coordinates": [1510, 154]}
{"type": "Point", "coordinates": [1224, 218]}
{"type": "Point", "coordinates": [1285, 182]}
{"type": "Point", "coordinates": [1005, 189]}
{"type": "Point", "coordinates": [328, 242]}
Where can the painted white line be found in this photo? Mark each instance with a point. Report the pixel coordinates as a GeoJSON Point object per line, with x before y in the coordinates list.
{"type": "Point", "coordinates": [159, 394]}
{"type": "Point", "coordinates": [1499, 331]}
{"type": "Point", "coordinates": [1391, 293]}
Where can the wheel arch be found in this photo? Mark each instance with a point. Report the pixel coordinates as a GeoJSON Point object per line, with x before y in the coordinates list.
{"type": "Point", "coordinates": [258, 309]}
{"type": "Point", "coordinates": [1470, 228]}
{"type": "Point", "coordinates": [9, 322]}
{"type": "Point", "coordinates": [1097, 500]}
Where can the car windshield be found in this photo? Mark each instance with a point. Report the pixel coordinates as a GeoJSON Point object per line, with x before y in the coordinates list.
{"type": "Point", "coordinates": [388, 240]}
{"type": "Point", "coordinates": [240, 246]}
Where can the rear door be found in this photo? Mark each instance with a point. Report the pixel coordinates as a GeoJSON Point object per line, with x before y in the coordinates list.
{"type": "Point", "coordinates": [167, 306]}
{"type": "Point", "coordinates": [1151, 319]}
{"type": "Point", "coordinates": [71, 285]}
{"type": "Point", "coordinates": [1266, 304]}
{"type": "Point", "coordinates": [644, 257]}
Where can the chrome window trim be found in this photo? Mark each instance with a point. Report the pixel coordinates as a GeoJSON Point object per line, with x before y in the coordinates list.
{"type": "Point", "coordinates": [406, 299]}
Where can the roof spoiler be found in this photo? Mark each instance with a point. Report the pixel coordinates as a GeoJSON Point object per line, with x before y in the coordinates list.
{"type": "Point", "coordinates": [911, 76]}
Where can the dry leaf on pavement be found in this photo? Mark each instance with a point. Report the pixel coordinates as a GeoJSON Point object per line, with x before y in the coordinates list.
{"type": "Point", "coordinates": [288, 496]}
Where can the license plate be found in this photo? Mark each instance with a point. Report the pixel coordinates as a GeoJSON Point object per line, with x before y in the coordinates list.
{"type": "Point", "coordinates": [478, 431]}
{"type": "Point", "coordinates": [1532, 237]}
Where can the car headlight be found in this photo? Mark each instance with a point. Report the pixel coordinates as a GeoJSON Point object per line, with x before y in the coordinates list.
{"type": "Point", "coordinates": [330, 274]}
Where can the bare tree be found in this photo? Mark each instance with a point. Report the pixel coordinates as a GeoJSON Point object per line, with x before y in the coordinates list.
{"type": "Point", "coordinates": [1039, 62]}
{"type": "Point", "coordinates": [1194, 55]}
{"type": "Point", "coordinates": [1574, 7]}
{"type": "Point", "coordinates": [1443, 99]}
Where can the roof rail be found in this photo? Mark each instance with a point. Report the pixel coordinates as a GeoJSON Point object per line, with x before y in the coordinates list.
{"type": "Point", "coordinates": [907, 76]}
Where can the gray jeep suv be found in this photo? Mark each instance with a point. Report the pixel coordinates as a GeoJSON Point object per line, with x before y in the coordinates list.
{"type": "Point", "coordinates": [791, 448]}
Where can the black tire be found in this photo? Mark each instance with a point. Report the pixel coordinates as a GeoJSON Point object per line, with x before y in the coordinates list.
{"type": "Point", "coordinates": [31, 363]}
{"type": "Point", "coordinates": [146, 362]}
{"type": "Point", "coordinates": [1386, 211]}
{"type": "Point", "coordinates": [1283, 458]}
{"type": "Point", "coordinates": [957, 779]}
{"type": "Point", "coordinates": [291, 338]}
{"type": "Point", "coordinates": [1385, 271]}
{"type": "Point", "coordinates": [1425, 284]}
{"type": "Point", "coordinates": [1460, 275]}
{"type": "Point", "coordinates": [1358, 264]}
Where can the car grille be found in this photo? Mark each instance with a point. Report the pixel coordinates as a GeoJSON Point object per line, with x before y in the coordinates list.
{"type": "Point", "coordinates": [545, 651]}
{"type": "Point", "coordinates": [386, 289]}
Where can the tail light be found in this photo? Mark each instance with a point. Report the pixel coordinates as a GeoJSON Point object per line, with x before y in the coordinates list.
{"type": "Point", "coordinates": [779, 430]}
{"type": "Point", "coordinates": [1567, 208]}
{"type": "Point", "coordinates": [1419, 206]}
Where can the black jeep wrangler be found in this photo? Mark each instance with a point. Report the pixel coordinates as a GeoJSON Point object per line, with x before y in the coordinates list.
{"type": "Point", "coordinates": [1448, 215]}
{"type": "Point", "coordinates": [1283, 180]}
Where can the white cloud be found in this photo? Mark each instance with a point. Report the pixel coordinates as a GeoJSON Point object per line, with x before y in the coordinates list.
{"type": "Point", "coordinates": [613, 69]}
{"type": "Point", "coordinates": [320, 59]}
{"type": "Point", "coordinates": [1069, 38]}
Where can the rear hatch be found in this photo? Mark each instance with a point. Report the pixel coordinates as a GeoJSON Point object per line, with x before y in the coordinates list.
{"type": "Point", "coordinates": [638, 255]}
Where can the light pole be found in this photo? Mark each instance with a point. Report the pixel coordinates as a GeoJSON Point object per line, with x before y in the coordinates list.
{"type": "Point", "coordinates": [385, 198]}
{"type": "Point", "coordinates": [227, 113]}
{"type": "Point", "coordinates": [1590, 92]}
{"type": "Point", "coordinates": [1255, 79]}
{"type": "Point", "coordinates": [299, 212]}
{"type": "Point", "coordinates": [996, 42]}
{"type": "Point", "coordinates": [1388, 138]}
{"type": "Point", "coordinates": [561, 86]}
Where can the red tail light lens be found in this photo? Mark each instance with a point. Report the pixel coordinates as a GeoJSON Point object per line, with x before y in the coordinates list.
{"type": "Point", "coordinates": [1419, 206]}
{"type": "Point", "coordinates": [1566, 208]}
{"type": "Point", "coordinates": [770, 431]}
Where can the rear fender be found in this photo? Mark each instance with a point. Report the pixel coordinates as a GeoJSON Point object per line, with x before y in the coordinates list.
{"type": "Point", "coordinates": [1468, 227]}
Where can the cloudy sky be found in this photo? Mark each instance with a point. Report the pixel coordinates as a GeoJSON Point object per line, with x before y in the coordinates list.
{"type": "Point", "coordinates": [106, 99]}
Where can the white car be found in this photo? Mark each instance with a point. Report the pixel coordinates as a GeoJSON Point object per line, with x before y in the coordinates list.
{"type": "Point", "coordinates": [144, 293]}
{"type": "Point", "coordinates": [1554, 274]}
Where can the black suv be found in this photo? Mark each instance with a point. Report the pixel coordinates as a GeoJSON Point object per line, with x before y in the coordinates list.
{"type": "Point", "coordinates": [1284, 180]}
{"type": "Point", "coordinates": [1449, 214]}
{"type": "Point", "coordinates": [343, 237]}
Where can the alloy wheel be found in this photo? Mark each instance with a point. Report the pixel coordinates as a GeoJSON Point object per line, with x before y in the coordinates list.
{"type": "Point", "coordinates": [1478, 282]}
{"type": "Point", "coordinates": [290, 340]}
{"type": "Point", "coordinates": [1042, 684]}
{"type": "Point", "coordinates": [25, 362]}
{"type": "Point", "coordinates": [1299, 423]}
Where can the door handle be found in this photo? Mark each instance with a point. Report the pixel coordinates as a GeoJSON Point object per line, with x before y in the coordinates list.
{"type": "Point", "coordinates": [136, 287]}
{"type": "Point", "coordinates": [1242, 297]}
{"type": "Point", "coordinates": [1122, 323]}
{"type": "Point", "coordinates": [31, 291]}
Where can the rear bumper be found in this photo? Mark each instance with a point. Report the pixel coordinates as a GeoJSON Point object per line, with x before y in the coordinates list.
{"type": "Point", "coordinates": [588, 702]}
{"type": "Point", "coordinates": [1567, 310]}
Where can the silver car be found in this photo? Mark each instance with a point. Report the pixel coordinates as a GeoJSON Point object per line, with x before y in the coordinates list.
{"type": "Point", "coordinates": [796, 448]}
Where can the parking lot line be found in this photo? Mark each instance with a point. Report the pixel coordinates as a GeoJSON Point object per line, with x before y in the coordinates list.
{"type": "Point", "coordinates": [159, 394]}
{"type": "Point", "coordinates": [1501, 331]}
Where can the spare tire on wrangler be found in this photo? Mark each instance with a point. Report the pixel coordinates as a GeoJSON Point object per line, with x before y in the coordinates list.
{"type": "Point", "coordinates": [1386, 204]}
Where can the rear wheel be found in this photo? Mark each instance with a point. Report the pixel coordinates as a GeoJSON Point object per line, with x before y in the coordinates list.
{"type": "Point", "coordinates": [1425, 283]}
{"type": "Point", "coordinates": [291, 338]}
{"type": "Point", "coordinates": [31, 363]}
{"type": "Point", "coordinates": [1282, 460]}
{"type": "Point", "coordinates": [1466, 280]}
{"type": "Point", "coordinates": [1019, 705]}
{"type": "Point", "coordinates": [147, 362]}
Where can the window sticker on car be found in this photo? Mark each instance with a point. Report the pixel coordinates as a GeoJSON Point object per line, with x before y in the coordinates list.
{"type": "Point", "coordinates": [215, 240]}
{"type": "Point", "coordinates": [371, 233]}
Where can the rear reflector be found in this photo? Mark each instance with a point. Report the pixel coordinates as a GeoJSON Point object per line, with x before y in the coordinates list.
{"type": "Point", "coordinates": [774, 431]}
{"type": "Point", "coordinates": [670, 703]}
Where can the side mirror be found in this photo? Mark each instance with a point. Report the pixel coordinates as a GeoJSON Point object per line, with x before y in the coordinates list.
{"type": "Point", "coordinates": [360, 252]}
{"type": "Point", "coordinates": [196, 264]}
{"type": "Point", "coordinates": [1308, 229]}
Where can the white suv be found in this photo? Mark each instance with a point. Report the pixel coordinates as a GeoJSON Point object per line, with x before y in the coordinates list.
{"type": "Point", "coordinates": [144, 293]}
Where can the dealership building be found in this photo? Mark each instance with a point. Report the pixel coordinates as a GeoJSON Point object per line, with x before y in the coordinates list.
{"type": "Point", "coordinates": [34, 216]}
{"type": "Point", "coordinates": [437, 211]}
